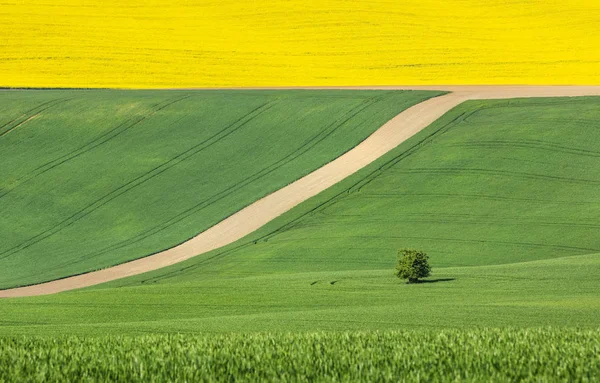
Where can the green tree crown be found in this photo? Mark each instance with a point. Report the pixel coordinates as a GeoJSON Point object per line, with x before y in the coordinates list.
{"type": "Point", "coordinates": [412, 265]}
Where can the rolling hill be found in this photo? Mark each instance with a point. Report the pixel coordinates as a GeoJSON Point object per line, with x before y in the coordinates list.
{"type": "Point", "coordinates": [91, 179]}
{"type": "Point", "coordinates": [501, 193]}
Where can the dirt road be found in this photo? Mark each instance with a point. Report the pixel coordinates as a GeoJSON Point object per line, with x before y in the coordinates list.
{"type": "Point", "coordinates": [249, 219]}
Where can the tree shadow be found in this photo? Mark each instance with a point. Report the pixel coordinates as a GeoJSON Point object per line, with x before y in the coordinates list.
{"type": "Point", "coordinates": [436, 280]}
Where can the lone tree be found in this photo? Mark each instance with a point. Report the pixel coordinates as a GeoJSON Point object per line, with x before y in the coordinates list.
{"type": "Point", "coordinates": [412, 265]}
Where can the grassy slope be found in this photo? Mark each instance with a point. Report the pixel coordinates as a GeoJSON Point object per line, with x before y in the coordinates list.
{"type": "Point", "coordinates": [94, 178]}
{"type": "Point", "coordinates": [491, 185]}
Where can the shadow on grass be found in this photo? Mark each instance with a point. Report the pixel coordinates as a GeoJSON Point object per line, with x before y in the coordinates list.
{"type": "Point", "coordinates": [434, 280]}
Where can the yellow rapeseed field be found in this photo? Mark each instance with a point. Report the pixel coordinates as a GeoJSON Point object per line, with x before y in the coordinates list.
{"type": "Point", "coordinates": [214, 43]}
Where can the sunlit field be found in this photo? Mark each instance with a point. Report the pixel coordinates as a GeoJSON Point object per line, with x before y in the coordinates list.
{"type": "Point", "coordinates": [290, 191]}
{"type": "Point", "coordinates": [202, 43]}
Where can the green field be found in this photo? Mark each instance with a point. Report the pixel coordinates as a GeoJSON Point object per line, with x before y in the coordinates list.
{"type": "Point", "coordinates": [468, 356]}
{"type": "Point", "coordinates": [503, 195]}
{"type": "Point", "coordinates": [90, 179]}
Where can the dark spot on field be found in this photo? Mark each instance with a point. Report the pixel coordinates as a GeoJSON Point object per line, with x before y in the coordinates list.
{"type": "Point", "coordinates": [437, 280]}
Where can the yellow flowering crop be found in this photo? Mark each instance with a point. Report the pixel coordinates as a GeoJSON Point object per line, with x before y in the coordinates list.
{"type": "Point", "coordinates": [211, 43]}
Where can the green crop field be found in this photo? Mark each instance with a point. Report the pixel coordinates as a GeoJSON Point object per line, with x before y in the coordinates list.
{"type": "Point", "coordinates": [467, 356]}
{"type": "Point", "coordinates": [90, 179]}
{"type": "Point", "coordinates": [502, 194]}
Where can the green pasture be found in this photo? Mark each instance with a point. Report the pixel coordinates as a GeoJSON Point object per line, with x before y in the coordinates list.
{"type": "Point", "coordinates": [90, 179]}
{"type": "Point", "coordinates": [503, 196]}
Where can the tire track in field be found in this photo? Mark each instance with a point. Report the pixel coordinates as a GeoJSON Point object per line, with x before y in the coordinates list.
{"type": "Point", "coordinates": [30, 114]}
{"type": "Point", "coordinates": [443, 218]}
{"type": "Point", "coordinates": [527, 144]}
{"type": "Point", "coordinates": [137, 181]}
{"type": "Point", "coordinates": [96, 142]}
{"type": "Point", "coordinates": [496, 172]}
{"type": "Point", "coordinates": [484, 241]}
{"type": "Point", "coordinates": [304, 148]}
{"type": "Point", "coordinates": [449, 239]}
{"type": "Point", "coordinates": [463, 117]}
{"type": "Point", "coordinates": [471, 196]}
{"type": "Point", "coordinates": [268, 208]}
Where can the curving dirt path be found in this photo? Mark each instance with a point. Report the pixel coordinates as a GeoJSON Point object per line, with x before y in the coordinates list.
{"type": "Point", "coordinates": [249, 219]}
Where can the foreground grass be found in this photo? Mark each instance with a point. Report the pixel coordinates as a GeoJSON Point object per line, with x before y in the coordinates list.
{"type": "Point", "coordinates": [90, 179]}
{"type": "Point", "coordinates": [453, 355]}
